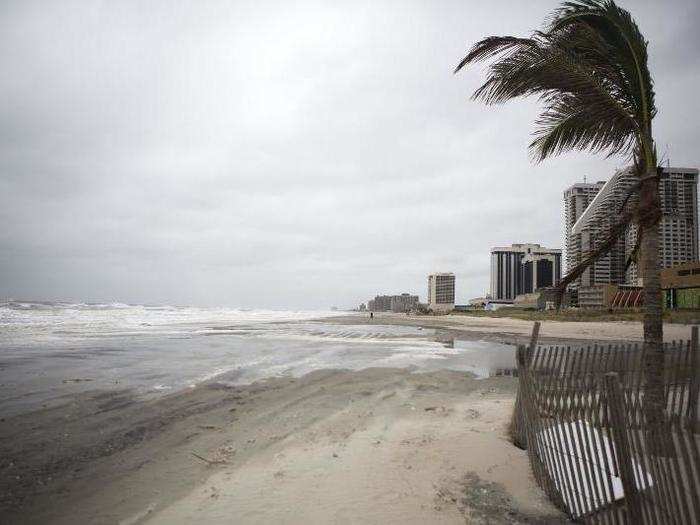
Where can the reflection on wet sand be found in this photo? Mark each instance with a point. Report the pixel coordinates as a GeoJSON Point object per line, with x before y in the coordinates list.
{"type": "Point", "coordinates": [484, 359]}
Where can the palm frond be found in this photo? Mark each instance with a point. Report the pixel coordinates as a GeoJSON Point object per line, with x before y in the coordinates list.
{"type": "Point", "coordinates": [625, 45]}
{"type": "Point", "coordinates": [582, 68]}
{"type": "Point", "coordinates": [490, 47]}
{"type": "Point", "coordinates": [568, 124]}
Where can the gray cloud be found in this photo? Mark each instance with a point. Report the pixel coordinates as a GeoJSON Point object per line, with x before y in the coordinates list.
{"type": "Point", "coordinates": [280, 154]}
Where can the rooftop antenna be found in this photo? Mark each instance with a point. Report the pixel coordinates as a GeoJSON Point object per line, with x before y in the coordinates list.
{"type": "Point", "coordinates": [667, 155]}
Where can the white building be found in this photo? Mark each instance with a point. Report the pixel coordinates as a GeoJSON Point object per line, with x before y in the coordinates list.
{"type": "Point", "coordinates": [678, 227]}
{"type": "Point", "coordinates": [576, 199]}
{"type": "Point", "coordinates": [441, 292]}
{"type": "Point", "coordinates": [593, 226]}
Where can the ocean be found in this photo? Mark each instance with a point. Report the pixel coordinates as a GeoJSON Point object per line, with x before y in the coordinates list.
{"type": "Point", "coordinates": [51, 350]}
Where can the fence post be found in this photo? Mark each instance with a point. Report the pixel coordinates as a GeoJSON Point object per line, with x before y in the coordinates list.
{"type": "Point", "coordinates": [618, 424]}
{"type": "Point", "coordinates": [533, 338]}
{"type": "Point", "coordinates": [523, 355]}
{"type": "Point", "coordinates": [518, 433]}
{"type": "Point", "coordinates": [694, 390]}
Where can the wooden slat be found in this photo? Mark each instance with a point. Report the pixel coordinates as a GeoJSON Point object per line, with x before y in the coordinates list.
{"type": "Point", "coordinates": [617, 414]}
{"type": "Point", "coordinates": [568, 404]}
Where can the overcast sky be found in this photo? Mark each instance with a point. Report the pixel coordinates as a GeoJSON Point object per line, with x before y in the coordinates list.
{"type": "Point", "coordinates": [282, 154]}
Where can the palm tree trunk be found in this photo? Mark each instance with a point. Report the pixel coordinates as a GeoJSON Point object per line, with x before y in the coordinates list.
{"type": "Point", "coordinates": [653, 324]}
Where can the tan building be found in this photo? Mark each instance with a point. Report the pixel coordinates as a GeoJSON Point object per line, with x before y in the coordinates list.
{"type": "Point", "coordinates": [403, 303]}
{"type": "Point", "coordinates": [393, 303]}
{"type": "Point", "coordinates": [441, 292]}
{"type": "Point", "coordinates": [600, 296]}
{"type": "Point", "coordinates": [610, 297]}
{"type": "Point", "coordinates": [681, 286]}
{"type": "Point", "coordinates": [381, 303]}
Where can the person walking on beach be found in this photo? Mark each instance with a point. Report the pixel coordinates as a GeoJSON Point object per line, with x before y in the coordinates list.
{"type": "Point", "coordinates": [371, 316]}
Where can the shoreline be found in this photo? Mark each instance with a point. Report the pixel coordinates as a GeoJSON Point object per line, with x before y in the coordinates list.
{"type": "Point", "coordinates": [513, 331]}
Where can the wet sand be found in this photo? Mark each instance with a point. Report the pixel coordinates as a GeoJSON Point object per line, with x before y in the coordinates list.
{"type": "Point", "coordinates": [517, 331]}
{"type": "Point", "coordinates": [374, 446]}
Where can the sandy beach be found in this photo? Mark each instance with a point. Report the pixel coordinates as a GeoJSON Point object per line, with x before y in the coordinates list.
{"type": "Point", "coordinates": [517, 331]}
{"type": "Point", "coordinates": [374, 446]}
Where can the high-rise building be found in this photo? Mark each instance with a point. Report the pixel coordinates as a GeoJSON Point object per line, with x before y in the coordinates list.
{"type": "Point", "coordinates": [403, 303]}
{"type": "Point", "coordinates": [576, 199]}
{"type": "Point", "coordinates": [592, 227]}
{"type": "Point", "coordinates": [678, 227]}
{"type": "Point", "coordinates": [441, 292]}
{"type": "Point", "coordinates": [523, 268]}
{"type": "Point", "coordinates": [380, 303]}
{"type": "Point", "coordinates": [392, 303]}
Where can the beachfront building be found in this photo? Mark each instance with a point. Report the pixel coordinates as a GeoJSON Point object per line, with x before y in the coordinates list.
{"type": "Point", "coordinates": [523, 268]}
{"type": "Point", "coordinates": [678, 228]}
{"type": "Point", "coordinates": [592, 227]}
{"type": "Point", "coordinates": [681, 286]}
{"type": "Point", "coordinates": [403, 303]}
{"type": "Point", "coordinates": [393, 303]}
{"type": "Point", "coordinates": [441, 292]}
{"type": "Point", "coordinates": [576, 199]}
{"type": "Point", "coordinates": [380, 303]}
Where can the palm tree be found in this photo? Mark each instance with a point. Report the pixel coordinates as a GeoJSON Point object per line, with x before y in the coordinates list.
{"type": "Point", "coordinates": [589, 68]}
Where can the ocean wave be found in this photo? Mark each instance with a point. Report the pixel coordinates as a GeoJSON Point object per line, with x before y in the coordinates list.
{"type": "Point", "coordinates": [60, 305]}
{"type": "Point", "coordinates": [31, 322]}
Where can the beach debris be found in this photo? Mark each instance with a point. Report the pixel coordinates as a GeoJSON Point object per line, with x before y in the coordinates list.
{"type": "Point", "coordinates": [225, 452]}
{"type": "Point", "coordinates": [473, 414]}
{"type": "Point", "coordinates": [209, 427]}
{"type": "Point", "coordinates": [210, 461]}
{"type": "Point", "coordinates": [77, 380]}
{"type": "Point", "coordinates": [137, 518]}
{"type": "Point", "coordinates": [491, 390]}
{"type": "Point", "coordinates": [483, 501]}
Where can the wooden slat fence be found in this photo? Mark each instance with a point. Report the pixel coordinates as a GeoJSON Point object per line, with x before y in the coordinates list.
{"type": "Point", "coordinates": [597, 451]}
